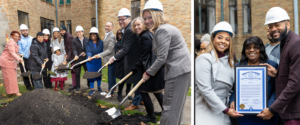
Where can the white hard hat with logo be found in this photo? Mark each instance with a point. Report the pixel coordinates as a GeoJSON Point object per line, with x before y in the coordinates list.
{"type": "Point", "coordinates": [124, 12]}
{"type": "Point", "coordinates": [23, 27]}
{"type": "Point", "coordinates": [55, 29]}
{"type": "Point", "coordinates": [94, 30]}
{"type": "Point", "coordinates": [275, 15]}
{"type": "Point", "coordinates": [223, 27]}
{"type": "Point", "coordinates": [55, 48]}
{"type": "Point", "coordinates": [154, 5]}
{"type": "Point", "coordinates": [46, 31]}
{"type": "Point", "coordinates": [79, 28]}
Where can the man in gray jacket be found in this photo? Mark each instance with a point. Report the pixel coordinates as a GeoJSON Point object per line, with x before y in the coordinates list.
{"type": "Point", "coordinates": [109, 51]}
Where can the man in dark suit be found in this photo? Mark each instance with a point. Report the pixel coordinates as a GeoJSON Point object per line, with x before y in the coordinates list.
{"type": "Point", "coordinates": [287, 78]}
{"type": "Point", "coordinates": [78, 48]}
{"type": "Point", "coordinates": [68, 38]}
{"type": "Point", "coordinates": [131, 53]}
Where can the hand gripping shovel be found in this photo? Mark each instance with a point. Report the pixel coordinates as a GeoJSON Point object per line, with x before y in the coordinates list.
{"type": "Point", "coordinates": [38, 76]}
{"type": "Point", "coordinates": [122, 80]}
{"type": "Point", "coordinates": [62, 68]}
{"type": "Point", "coordinates": [24, 74]}
{"type": "Point", "coordinates": [113, 113]}
{"type": "Point", "coordinates": [91, 75]}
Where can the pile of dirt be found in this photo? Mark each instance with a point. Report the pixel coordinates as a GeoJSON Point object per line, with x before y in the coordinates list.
{"type": "Point", "coordinates": [49, 107]}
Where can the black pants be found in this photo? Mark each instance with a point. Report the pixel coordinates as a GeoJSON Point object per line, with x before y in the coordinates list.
{"type": "Point", "coordinates": [121, 88]}
{"type": "Point", "coordinates": [148, 103]}
{"type": "Point", "coordinates": [25, 79]}
{"type": "Point", "coordinates": [77, 73]}
{"type": "Point", "coordinates": [47, 78]}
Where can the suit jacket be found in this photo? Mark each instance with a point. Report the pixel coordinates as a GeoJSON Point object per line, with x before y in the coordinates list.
{"type": "Point", "coordinates": [68, 38]}
{"type": "Point", "coordinates": [213, 83]}
{"type": "Point", "coordinates": [9, 56]}
{"type": "Point", "coordinates": [108, 47]}
{"type": "Point", "coordinates": [131, 53]}
{"type": "Point", "coordinates": [78, 48]}
{"type": "Point", "coordinates": [171, 50]}
{"type": "Point", "coordinates": [288, 79]}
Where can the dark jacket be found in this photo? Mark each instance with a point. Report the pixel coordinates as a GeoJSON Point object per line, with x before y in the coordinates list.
{"type": "Point", "coordinates": [77, 48]}
{"type": "Point", "coordinates": [119, 64]}
{"type": "Point", "coordinates": [68, 38]}
{"type": "Point", "coordinates": [147, 58]}
{"type": "Point", "coordinates": [49, 55]}
{"type": "Point", "coordinates": [131, 53]}
{"type": "Point", "coordinates": [38, 52]}
{"type": "Point", "coordinates": [287, 80]}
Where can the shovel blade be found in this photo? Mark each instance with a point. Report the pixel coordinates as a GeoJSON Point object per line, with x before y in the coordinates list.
{"type": "Point", "coordinates": [63, 67]}
{"type": "Point", "coordinates": [37, 76]}
{"type": "Point", "coordinates": [26, 74]}
{"type": "Point", "coordinates": [91, 75]}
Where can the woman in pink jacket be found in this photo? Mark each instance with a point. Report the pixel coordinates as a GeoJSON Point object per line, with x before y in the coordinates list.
{"type": "Point", "coordinates": [8, 62]}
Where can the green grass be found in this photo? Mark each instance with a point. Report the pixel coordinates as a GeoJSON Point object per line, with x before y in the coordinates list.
{"type": "Point", "coordinates": [22, 89]}
{"type": "Point", "coordinates": [189, 92]}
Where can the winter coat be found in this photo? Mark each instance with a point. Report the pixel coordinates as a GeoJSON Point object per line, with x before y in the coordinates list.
{"type": "Point", "coordinates": [57, 60]}
{"type": "Point", "coordinates": [61, 45]}
{"type": "Point", "coordinates": [78, 48]}
{"type": "Point", "coordinates": [9, 57]}
{"type": "Point", "coordinates": [38, 52]}
{"type": "Point", "coordinates": [119, 64]}
{"type": "Point", "coordinates": [68, 38]}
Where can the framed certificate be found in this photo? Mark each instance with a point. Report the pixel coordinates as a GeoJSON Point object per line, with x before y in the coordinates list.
{"type": "Point", "coordinates": [250, 89]}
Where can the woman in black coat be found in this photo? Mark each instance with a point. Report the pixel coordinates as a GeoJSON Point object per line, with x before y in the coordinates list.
{"type": "Point", "coordinates": [155, 84]}
{"type": "Point", "coordinates": [119, 66]}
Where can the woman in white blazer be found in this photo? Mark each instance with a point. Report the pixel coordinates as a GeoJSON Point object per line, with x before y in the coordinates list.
{"type": "Point", "coordinates": [215, 78]}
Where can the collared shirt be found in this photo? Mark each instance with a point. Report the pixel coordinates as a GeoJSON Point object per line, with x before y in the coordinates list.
{"type": "Point", "coordinates": [24, 45]}
{"type": "Point", "coordinates": [81, 41]}
{"type": "Point", "coordinates": [106, 35]}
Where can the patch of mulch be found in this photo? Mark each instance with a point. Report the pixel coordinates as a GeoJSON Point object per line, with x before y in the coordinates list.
{"type": "Point", "coordinates": [47, 107]}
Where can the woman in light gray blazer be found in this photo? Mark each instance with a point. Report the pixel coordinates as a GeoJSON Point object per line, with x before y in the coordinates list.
{"type": "Point", "coordinates": [214, 78]}
{"type": "Point", "coordinates": [171, 51]}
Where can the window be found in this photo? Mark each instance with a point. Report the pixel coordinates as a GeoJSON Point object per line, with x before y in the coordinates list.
{"type": "Point", "coordinates": [205, 16]}
{"type": "Point", "coordinates": [47, 24]}
{"type": "Point", "coordinates": [61, 2]}
{"type": "Point", "coordinates": [135, 9]}
{"type": "Point", "coordinates": [233, 15]}
{"type": "Point", "coordinates": [50, 1]}
{"type": "Point", "coordinates": [93, 22]}
{"type": "Point", "coordinates": [247, 28]}
{"type": "Point", "coordinates": [23, 18]}
{"type": "Point", "coordinates": [68, 2]}
{"type": "Point", "coordinates": [62, 23]}
{"type": "Point", "coordinates": [69, 26]}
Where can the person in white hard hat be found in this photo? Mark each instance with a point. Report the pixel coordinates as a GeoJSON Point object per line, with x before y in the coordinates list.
{"type": "Point", "coordinates": [108, 52]}
{"type": "Point", "coordinates": [78, 47]}
{"type": "Point", "coordinates": [94, 47]}
{"type": "Point", "coordinates": [47, 80]}
{"type": "Point", "coordinates": [24, 48]}
{"type": "Point", "coordinates": [287, 78]}
{"type": "Point", "coordinates": [131, 53]}
{"type": "Point", "coordinates": [57, 40]}
{"type": "Point", "coordinates": [172, 52]}
{"type": "Point", "coordinates": [212, 91]}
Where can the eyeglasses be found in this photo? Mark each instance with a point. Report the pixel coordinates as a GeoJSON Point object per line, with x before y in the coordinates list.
{"type": "Point", "coordinates": [254, 48]}
{"type": "Point", "coordinates": [148, 18]}
{"type": "Point", "coordinates": [121, 20]}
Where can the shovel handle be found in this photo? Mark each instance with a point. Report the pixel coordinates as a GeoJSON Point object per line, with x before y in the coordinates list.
{"type": "Point", "coordinates": [126, 77]}
{"type": "Point", "coordinates": [103, 66]}
{"type": "Point", "coordinates": [136, 87]}
{"type": "Point", "coordinates": [43, 67]}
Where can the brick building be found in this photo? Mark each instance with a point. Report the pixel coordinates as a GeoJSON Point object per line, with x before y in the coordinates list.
{"type": "Point", "coordinates": [40, 14]}
{"type": "Point", "coordinates": [247, 17]}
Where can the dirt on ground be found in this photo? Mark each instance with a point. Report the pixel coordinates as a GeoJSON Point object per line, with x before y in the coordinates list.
{"type": "Point", "coordinates": [49, 107]}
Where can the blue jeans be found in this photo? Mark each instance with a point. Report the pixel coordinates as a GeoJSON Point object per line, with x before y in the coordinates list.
{"type": "Point", "coordinates": [137, 97]}
{"type": "Point", "coordinates": [98, 79]}
{"type": "Point", "coordinates": [37, 83]}
{"type": "Point", "coordinates": [111, 77]}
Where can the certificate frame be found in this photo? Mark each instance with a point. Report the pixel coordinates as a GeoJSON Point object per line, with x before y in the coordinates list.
{"type": "Point", "coordinates": [247, 75]}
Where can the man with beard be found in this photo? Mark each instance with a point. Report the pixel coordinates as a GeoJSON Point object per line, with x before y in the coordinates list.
{"type": "Point", "coordinates": [273, 49]}
{"type": "Point", "coordinates": [287, 78]}
{"type": "Point", "coordinates": [24, 48]}
{"type": "Point", "coordinates": [68, 38]}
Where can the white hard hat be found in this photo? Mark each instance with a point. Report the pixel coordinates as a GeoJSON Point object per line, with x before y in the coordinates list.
{"type": "Point", "coordinates": [55, 29]}
{"type": "Point", "coordinates": [79, 28]}
{"type": "Point", "coordinates": [46, 31]}
{"type": "Point", "coordinates": [55, 48]}
{"type": "Point", "coordinates": [223, 26]}
{"type": "Point", "coordinates": [124, 12]}
{"type": "Point", "coordinates": [154, 5]}
{"type": "Point", "coordinates": [23, 27]}
{"type": "Point", "coordinates": [275, 15]}
{"type": "Point", "coordinates": [94, 30]}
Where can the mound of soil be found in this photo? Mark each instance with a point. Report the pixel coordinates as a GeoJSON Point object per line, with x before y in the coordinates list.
{"type": "Point", "coordinates": [48, 107]}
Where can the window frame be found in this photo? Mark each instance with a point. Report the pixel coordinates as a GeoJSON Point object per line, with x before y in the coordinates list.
{"type": "Point", "coordinates": [139, 9]}
{"type": "Point", "coordinates": [236, 32]}
{"type": "Point", "coordinates": [68, 2]}
{"type": "Point", "coordinates": [22, 18]}
{"type": "Point", "coordinates": [249, 2]}
{"type": "Point", "coordinates": [207, 19]}
{"type": "Point", "coordinates": [70, 31]}
{"type": "Point", "coordinates": [61, 2]}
